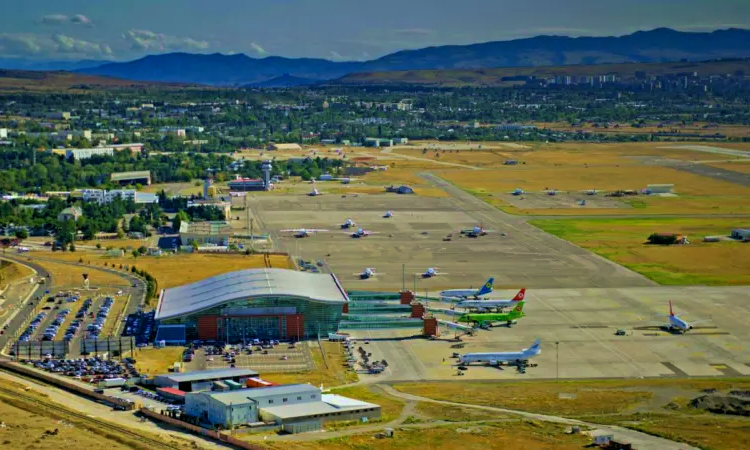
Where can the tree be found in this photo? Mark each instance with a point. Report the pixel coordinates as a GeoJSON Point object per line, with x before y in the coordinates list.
{"type": "Point", "coordinates": [120, 233]}
{"type": "Point", "coordinates": [194, 244]}
{"type": "Point", "coordinates": [180, 217]}
{"type": "Point", "coordinates": [72, 247]}
{"type": "Point", "coordinates": [22, 234]}
{"type": "Point", "coordinates": [135, 254]}
{"type": "Point", "coordinates": [98, 246]}
{"type": "Point", "coordinates": [142, 249]}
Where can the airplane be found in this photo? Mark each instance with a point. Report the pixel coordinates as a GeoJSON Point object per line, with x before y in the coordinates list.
{"type": "Point", "coordinates": [431, 272]}
{"type": "Point", "coordinates": [496, 358]}
{"type": "Point", "coordinates": [552, 192]}
{"type": "Point", "coordinates": [483, 305]}
{"type": "Point", "coordinates": [518, 191]}
{"type": "Point", "coordinates": [23, 249]}
{"type": "Point", "coordinates": [591, 191]}
{"type": "Point", "coordinates": [466, 293]}
{"type": "Point", "coordinates": [303, 232]}
{"type": "Point", "coordinates": [677, 323]}
{"type": "Point", "coordinates": [348, 224]}
{"type": "Point", "coordinates": [361, 232]}
{"type": "Point", "coordinates": [368, 273]}
{"type": "Point", "coordinates": [314, 193]}
{"type": "Point", "coordinates": [485, 320]}
{"type": "Point", "coordinates": [476, 231]}
{"type": "Point", "coordinates": [388, 215]}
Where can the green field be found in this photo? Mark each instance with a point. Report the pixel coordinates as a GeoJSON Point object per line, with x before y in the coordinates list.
{"type": "Point", "coordinates": [624, 242]}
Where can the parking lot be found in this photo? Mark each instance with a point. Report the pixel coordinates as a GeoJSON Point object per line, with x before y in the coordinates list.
{"type": "Point", "coordinates": [577, 328]}
{"type": "Point", "coordinates": [281, 358]}
{"type": "Point", "coordinates": [141, 325]}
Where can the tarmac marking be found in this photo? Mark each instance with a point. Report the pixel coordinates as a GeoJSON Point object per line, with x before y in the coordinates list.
{"type": "Point", "coordinates": [674, 369]}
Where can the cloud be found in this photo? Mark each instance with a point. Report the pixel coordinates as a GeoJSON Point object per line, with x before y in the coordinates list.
{"type": "Point", "coordinates": [54, 19]}
{"type": "Point", "coordinates": [29, 44]}
{"type": "Point", "coordinates": [62, 19]}
{"type": "Point", "coordinates": [145, 40]}
{"type": "Point", "coordinates": [258, 49]}
{"type": "Point", "coordinates": [336, 55]}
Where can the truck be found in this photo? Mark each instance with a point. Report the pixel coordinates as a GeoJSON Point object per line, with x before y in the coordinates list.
{"type": "Point", "coordinates": [112, 382]}
{"type": "Point", "coordinates": [337, 337]}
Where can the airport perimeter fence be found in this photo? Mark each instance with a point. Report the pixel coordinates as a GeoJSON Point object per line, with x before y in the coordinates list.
{"type": "Point", "coordinates": [65, 385]}
{"type": "Point", "coordinates": [213, 434]}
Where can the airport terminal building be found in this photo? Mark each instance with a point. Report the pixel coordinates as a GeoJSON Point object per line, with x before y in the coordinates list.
{"type": "Point", "coordinates": [252, 304]}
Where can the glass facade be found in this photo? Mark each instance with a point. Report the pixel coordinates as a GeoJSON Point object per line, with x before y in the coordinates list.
{"type": "Point", "coordinates": [233, 325]}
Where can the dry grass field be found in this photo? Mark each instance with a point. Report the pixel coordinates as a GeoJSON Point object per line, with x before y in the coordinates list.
{"type": "Point", "coordinates": [155, 361]}
{"type": "Point", "coordinates": [450, 413]}
{"type": "Point", "coordinates": [179, 269]}
{"type": "Point", "coordinates": [70, 275]}
{"type": "Point", "coordinates": [506, 435]}
{"type": "Point", "coordinates": [335, 374]}
{"type": "Point", "coordinates": [10, 272]}
{"type": "Point", "coordinates": [623, 241]}
{"type": "Point", "coordinates": [699, 128]}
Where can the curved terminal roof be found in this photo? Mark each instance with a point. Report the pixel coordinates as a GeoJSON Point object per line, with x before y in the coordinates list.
{"type": "Point", "coordinates": [242, 284]}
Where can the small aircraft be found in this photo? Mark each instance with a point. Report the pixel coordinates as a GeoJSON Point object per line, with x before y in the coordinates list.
{"type": "Point", "coordinates": [388, 215]}
{"type": "Point", "coordinates": [496, 358]}
{"type": "Point", "coordinates": [368, 273]}
{"type": "Point", "coordinates": [314, 193]}
{"type": "Point", "coordinates": [23, 249]}
{"type": "Point", "coordinates": [484, 305]}
{"type": "Point", "coordinates": [431, 272]}
{"type": "Point", "coordinates": [348, 224]}
{"type": "Point", "coordinates": [462, 294]}
{"type": "Point", "coordinates": [361, 232]}
{"type": "Point", "coordinates": [677, 323]}
{"type": "Point", "coordinates": [518, 191]}
{"type": "Point", "coordinates": [476, 231]}
{"type": "Point", "coordinates": [303, 232]}
{"type": "Point", "coordinates": [551, 192]}
{"type": "Point", "coordinates": [590, 191]}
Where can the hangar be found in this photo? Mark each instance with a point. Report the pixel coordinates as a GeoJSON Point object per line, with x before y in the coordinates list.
{"type": "Point", "coordinates": [202, 379]}
{"type": "Point", "coordinates": [254, 304]}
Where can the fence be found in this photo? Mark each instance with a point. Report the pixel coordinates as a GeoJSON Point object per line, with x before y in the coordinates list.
{"type": "Point", "coordinates": [215, 435]}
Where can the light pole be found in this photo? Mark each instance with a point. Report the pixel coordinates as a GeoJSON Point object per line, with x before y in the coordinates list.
{"type": "Point", "coordinates": [557, 359]}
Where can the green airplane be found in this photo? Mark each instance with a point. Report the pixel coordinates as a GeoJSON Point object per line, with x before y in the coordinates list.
{"type": "Point", "coordinates": [483, 320]}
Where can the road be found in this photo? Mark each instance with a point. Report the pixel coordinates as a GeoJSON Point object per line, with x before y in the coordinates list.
{"type": "Point", "coordinates": [641, 441]}
{"type": "Point", "coordinates": [19, 301]}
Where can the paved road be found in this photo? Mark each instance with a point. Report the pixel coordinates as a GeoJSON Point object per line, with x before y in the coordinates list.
{"type": "Point", "coordinates": [532, 252]}
{"type": "Point", "coordinates": [641, 441]}
{"type": "Point", "coordinates": [18, 317]}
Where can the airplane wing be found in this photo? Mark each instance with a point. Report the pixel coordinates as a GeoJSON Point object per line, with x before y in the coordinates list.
{"type": "Point", "coordinates": [693, 322]}
{"type": "Point", "coordinates": [317, 230]}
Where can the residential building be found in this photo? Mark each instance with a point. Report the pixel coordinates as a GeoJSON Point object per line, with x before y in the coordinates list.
{"type": "Point", "coordinates": [208, 232]}
{"type": "Point", "coordinates": [86, 153]}
{"type": "Point", "coordinates": [3, 133]}
{"type": "Point", "coordinates": [72, 213]}
{"type": "Point", "coordinates": [104, 196]}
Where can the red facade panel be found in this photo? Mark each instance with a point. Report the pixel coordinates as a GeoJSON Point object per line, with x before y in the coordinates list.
{"type": "Point", "coordinates": [208, 328]}
{"type": "Point", "coordinates": [295, 326]}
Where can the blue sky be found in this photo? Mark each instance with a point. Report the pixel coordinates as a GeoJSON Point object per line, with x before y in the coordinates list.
{"type": "Point", "coordinates": [331, 29]}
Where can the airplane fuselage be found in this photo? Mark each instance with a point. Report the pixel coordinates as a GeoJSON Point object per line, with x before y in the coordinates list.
{"type": "Point", "coordinates": [679, 324]}
{"type": "Point", "coordinates": [484, 304]}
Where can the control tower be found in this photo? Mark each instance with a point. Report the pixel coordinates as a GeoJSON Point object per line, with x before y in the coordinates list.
{"type": "Point", "coordinates": [266, 168]}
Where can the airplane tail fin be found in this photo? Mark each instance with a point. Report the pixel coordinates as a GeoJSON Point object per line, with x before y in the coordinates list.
{"type": "Point", "coordinates": [536, 345]}
{"type": "Point", "coordinates": [487, 288]}
{"type": "Point", "coordinates": [518, 310]}
{"type": "Point", "coordinates": [671, 313]}
{"type": "Point", "coordinates": [520, 296]}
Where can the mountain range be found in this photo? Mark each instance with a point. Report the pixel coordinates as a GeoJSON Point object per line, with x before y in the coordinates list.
{"type": "Point", "coordinates": [658, 45]}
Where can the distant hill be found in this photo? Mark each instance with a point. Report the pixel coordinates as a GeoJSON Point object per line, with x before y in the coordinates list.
{"type": "Point", "coordinates": [26, 64]}
{"type": "Point", "coordinates": [659, 45]}
{"type": "Point", "coordinates": [285, 80]}
{"type": "Point", "coordinates": [497, 77]}
{"type": "Point", "coordinates": [27, 80]}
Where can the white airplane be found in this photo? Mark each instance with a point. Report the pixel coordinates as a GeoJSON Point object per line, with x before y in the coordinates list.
{"type": "Point", "coordinates": [487, 304]}
{"type": "Point", "coordinates": [476, 231]}
{"type": "Point", "coordinates": [361, 232]}
{"type": "Point", "coordinates": [23, 249]}
{"type": "Point", "coordinates": [348, 224]}
{"type": "Point", "coordinates": [463, 294]}
{"type": "Point", "coordinates": [314, 193]}
{"type": "Point", "coordinates": [518, 191]}
{"type": "Point", "coordinates": [368, 273]}
{"type": "Point", "coordinates": [431, 272]}
{"type": "Point", "coordinates": [303, 232]}
{"type": "Point", "coordinates": [388, 215]}
{"type": "Point", "coordinates": [677, 323]}
{"type": "Point", "coordinates": [495, 358]}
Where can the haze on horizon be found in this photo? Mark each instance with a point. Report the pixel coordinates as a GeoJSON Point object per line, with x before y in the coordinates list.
{"type": "Point", "coordinates": [331, 29]}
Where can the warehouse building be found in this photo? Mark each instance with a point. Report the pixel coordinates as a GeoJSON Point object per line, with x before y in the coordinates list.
{"type": "Point", "coordinates": [741, 234]}
{"type": "Point", "coordinates": [201, 380]}
{"type": "Point", "coordinates": [255, 303]}
{"type": "Point", "coordinates": [295, 407]}
{"type": "Point", "coordinates": [215, 232]}
{"type": "Point", "coordinates": [247, 184]}
{"type": "Point", "coordinates": [138, 177]}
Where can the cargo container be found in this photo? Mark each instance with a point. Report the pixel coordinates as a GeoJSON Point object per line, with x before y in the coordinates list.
{"type": "Point", "coordinates": [219, 386]}
{"type": "Point", "coordinates": [257, 383]}
{"type": "Point", "coordinates": [112, 382]}
{"type": "Point", "coordinates": [233, 385]}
